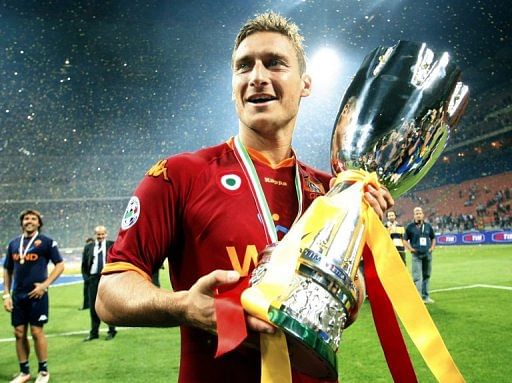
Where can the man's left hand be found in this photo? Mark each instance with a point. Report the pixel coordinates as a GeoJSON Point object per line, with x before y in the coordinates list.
{"type": "Point", "coordinates": [379, 199]}
{"type": "Point", "coordinates": [39, 290]}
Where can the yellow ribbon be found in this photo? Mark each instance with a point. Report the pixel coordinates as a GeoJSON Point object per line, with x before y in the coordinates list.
{"type": "Point", "coordinates": [391, 271]}
{"type": "Point", "coordinates": [402, 292]}
{"type": "Point", "coordinates": [275, 366]}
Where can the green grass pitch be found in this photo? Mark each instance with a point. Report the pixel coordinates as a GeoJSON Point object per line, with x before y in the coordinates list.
{"type": "Point", "coordinates": [474, 321]}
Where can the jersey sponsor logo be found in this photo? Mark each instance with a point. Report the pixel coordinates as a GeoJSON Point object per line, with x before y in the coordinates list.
{"type": "Point", "coordinates": [32, 257]}
{"type": "Point", "coordinates": [158, 169]}
{"type": "Point", "coordinates": [131, 214]}
{"type": "Point", "coordinates": [249, 261]}
{"type": "Point", "coordinates": [231, 182]}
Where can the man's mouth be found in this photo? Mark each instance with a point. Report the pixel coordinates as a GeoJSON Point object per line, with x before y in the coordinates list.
{"type": "Point", "coordinates": [261, 98]}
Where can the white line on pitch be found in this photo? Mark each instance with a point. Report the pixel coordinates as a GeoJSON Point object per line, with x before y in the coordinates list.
{"type": "Point", "coordinates": [71, 333]}
{"type": "Point", "coordinates": [473, 287]}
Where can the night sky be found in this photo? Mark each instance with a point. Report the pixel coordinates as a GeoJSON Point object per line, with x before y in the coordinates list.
{"type": "Point", "coordinates": [94, 92]}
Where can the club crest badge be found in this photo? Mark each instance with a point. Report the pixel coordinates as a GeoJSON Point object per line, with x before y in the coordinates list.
{"type": "Point", "coordinates": [131, 214]}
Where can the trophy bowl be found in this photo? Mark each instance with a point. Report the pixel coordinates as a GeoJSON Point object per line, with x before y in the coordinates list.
{"type": "Point", "coordinates": [394, 120]}
{"type": "Point", "coordinates": [396, 115]}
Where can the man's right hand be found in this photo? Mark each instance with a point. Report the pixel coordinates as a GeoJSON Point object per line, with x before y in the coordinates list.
{"type": "Point", "coordinates": [8, 304]}
{"type": "Point", "coordinates": [200, 302]}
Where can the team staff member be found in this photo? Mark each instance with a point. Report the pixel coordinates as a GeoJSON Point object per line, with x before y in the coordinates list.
{"type": "Point", "coordinates": [93, 258]}
{"type": "Point", "coordinates": [396, 232]}
{"type": "Point", "coordinates": [200, 211]}
{"type": "Point", "coordinates": [26, 272]}
{"type": "Point", "coordinates": [420, 240]}
{"type": "Point", "coordinates": [85, 304]}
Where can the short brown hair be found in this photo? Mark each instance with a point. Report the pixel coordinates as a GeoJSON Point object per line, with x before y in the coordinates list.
{"type": "Point", "coordinates": [274, 22]}
{"type": "Point", "coordinates": [34, 212]}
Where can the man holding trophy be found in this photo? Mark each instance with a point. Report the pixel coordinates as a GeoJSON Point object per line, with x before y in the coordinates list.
{"type": "Point", "coordinates": [210, 213]}
{"type": "Point", "coordinates": [206, 211]}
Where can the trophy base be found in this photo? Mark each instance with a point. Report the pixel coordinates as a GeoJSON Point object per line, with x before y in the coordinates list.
{"type": "Point", "coordinates": [309, 354]}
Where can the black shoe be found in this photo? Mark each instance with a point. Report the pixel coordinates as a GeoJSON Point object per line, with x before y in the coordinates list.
{"type": "Point", "coordinates": [111, 335]}
{"type": "Point", "coordinates": [91, 337]}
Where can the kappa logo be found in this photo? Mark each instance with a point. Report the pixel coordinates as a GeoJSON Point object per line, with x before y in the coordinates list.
{"type": "Point", "coordinates": [42, 318]}
{"type": "Point", "coordinates": [231, 182]}
{"type": "Point", "coordinates": [158, 169]}
{"type": "Point", "coordinates": [37, 243]}
{"type": "Point", "coordinates": [131, 215]}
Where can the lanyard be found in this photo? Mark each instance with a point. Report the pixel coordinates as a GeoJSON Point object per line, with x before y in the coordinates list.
{"type": "Point", "coordinates": [23, 252]}
{"type": "Point", "coordinates": [257, 191]}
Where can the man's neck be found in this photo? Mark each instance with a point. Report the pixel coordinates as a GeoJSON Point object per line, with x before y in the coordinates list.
{"type": "Point", "coordinates": [29, 234]}
{"type": "Point", "coordinates": [276, 147]}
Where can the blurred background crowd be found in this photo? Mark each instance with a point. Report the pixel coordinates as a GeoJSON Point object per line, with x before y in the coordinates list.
{"type": "Point", "coordinates": [93, 93]}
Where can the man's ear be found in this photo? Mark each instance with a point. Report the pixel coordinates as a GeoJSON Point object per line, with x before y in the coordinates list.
{"type": "Point", "coordinates": [306, 81]}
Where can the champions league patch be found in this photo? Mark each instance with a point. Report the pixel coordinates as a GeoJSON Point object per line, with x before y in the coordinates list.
{"type": "Point", "coordinates": [131, 214]}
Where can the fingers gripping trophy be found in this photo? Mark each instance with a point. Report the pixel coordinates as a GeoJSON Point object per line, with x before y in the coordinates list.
{"type": "Point", "coordinates": [393, 123]}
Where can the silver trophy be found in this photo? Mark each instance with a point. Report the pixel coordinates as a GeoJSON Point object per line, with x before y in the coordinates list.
{"type": "Point", "coordinates": [394, 120]}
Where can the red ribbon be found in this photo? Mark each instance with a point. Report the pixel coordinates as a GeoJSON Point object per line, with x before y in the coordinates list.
{"type": "Point", "coordinates": [390, 336]}
{"type": "Point", "coordinates": [231, 327]}
{"type": "Point", "coordinates": [232, 330]}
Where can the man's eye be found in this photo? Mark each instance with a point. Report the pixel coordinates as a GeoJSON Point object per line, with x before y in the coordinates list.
{"type": "Point", "coordinates": [274, 63]}
{"type": "Point", "coordinates": [242, 67]}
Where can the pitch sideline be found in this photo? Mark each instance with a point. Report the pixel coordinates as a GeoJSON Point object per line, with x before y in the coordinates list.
{"type": "Point", "coordinates": [83, 332]}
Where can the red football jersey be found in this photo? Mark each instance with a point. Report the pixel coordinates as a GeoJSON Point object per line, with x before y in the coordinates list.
{"type": "Point", "coordinates": [198, 211]}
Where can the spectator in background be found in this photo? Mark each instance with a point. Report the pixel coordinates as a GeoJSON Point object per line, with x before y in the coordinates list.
{"type": "Point", "coordinates": [420, 240]}
{"type": "Point", "coordinates": [85, 303]}
{"type": "Point", "coordinates": [396, 232]}
{"type": "Point", "coordinates": [26, 272]}
{"type": "Point", "coordinates": [93, 259]}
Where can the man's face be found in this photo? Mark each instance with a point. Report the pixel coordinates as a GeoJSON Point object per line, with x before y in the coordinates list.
{"type": "Point", "coordinates": [418, 215]}
{"type": "Point", "coordinates": [267, 84]}
{"type": "Point", "coordinates": [391, 216]}
{"type": "Point", "coordinates": [101, 234]}
{"type": "Point", "coordinates": [30, 223]}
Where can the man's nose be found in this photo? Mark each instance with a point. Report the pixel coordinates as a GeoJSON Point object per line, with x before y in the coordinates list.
{"type": "Point", "coordinates": [259, 75]}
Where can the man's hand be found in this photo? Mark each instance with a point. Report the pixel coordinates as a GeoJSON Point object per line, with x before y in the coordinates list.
{"type": "Point", "coordinates": [8, 304]}
{"type": "Point", "coordinates": [39, 290]}
{"type": "Point", "coordinates": [379, 199]}
{"type": "Point", "coordinates": [200, 303]}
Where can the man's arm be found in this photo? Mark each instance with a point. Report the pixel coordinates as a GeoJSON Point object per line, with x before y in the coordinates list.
{"type": "Point", "coordinates": [129, 299]}
{"type": "Point", "coordinates": [41, 288]}
{"type": "Point", "coordinates": [84, 267]}
{"type": "Point", "coordinates": [407, 242]}
{"type": "Point", "coordinates": [433, 245]}
{"type": "Point", "coordinates": [7, 299]}
{"type": "Point", "coordinates": [409, 247]}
